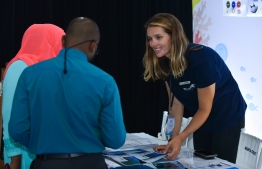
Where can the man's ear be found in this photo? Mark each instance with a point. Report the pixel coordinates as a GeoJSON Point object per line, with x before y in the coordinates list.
{"type": "Point", "coordinates": [92, 47]}
{"type": "Point", "coordinates": [63, 39]}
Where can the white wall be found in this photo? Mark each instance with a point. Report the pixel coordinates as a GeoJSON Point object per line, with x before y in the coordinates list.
{"type": "Point", "coordinates": [238, 40]}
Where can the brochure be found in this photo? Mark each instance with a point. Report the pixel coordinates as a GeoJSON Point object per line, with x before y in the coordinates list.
{"type": "Point", "coordinates": [167, 165]}
{"type": "Point", "coordinates": [134, 156]}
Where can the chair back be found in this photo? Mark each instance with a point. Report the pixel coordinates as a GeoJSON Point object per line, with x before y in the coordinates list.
{"type": "Point", "coordinates": [259, 164]}
{"type": "Point", "coordinates": [190, 142]}
{"type": "Point", "coordinates": [183, 126]}
{"type": "Point", "coordinates": [249, 151]}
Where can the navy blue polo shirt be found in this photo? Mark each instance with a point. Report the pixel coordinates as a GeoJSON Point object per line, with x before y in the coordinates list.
{"type": "Point", "coordinates": [206, 67]}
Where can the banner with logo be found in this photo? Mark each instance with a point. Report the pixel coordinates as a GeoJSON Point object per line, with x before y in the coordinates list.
{"type": "Point", "coordinates": [242, 8]}
{"type": "Point", "coordinates": [238, 41]}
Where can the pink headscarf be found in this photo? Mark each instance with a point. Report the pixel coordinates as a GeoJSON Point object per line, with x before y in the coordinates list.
{"type": "Point", "coordinates": [40, 42]}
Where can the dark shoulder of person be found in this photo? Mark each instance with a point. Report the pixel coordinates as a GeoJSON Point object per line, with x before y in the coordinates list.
{"type": "Point", "coordinates": [200, 50]}
{"type": "Point", "coordinates": [193, 47]}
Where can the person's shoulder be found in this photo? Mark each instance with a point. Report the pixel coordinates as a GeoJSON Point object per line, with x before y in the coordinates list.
{"type": "Point", "coordinates": [200, 50]}
{"type": "Point", "coordinates": [199, 54]}
{"type": "Point", "coordinates": [198, 47]}
{"type": "Point", "coordinates": [38, 66]}
{"type": "Point", "coordinates": [16, 67]}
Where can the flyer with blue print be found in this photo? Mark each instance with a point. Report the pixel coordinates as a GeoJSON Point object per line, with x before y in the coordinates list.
{"type": "Point", "coordinates": [134, 156]}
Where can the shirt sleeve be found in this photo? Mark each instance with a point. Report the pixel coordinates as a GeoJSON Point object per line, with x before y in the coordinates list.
{"type": "Point", "coordinates": [13, 73]}
{"type": "Point", "coordinates": [112, 124]}
{"type": "Point", "coordinates": [205, 68]}
{"type": "Point", "coordinates": [19, 124]}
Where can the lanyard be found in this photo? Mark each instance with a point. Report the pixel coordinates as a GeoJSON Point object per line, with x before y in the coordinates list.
{"type": "Point", "coordinates": [171, 96]}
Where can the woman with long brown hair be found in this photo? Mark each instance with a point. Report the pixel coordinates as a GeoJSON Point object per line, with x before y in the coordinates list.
{"type": "Point", "coordinates": [197, 78]}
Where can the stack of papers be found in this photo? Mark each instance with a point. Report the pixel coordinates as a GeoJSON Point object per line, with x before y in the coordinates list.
{"type": "Point", "coordinates": [136, 140]}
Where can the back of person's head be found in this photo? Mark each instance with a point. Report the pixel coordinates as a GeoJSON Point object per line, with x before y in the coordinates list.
{"type": "Point", "coordinates": [179, 42]}
{"type": "Point", "coordinates": [40, 42]}
{"type": "Point", "coordinates": [82, 34]}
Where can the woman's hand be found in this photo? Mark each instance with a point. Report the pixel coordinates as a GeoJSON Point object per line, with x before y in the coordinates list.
{"type": "Point", "coordinates": [173, 148]}
{"type": "Point", "coordinates": [161, 149]}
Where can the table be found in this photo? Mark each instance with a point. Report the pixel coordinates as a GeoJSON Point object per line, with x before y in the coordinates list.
{"type": "Point", "coordinates": [186, 157]}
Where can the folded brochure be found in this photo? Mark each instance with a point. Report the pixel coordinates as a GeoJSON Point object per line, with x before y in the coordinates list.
{"type": "Point", "coordinates": [134, 156]}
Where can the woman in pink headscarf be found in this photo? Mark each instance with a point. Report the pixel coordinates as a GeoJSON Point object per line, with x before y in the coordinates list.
{"type": "Point", "coordinates": [40, 42]}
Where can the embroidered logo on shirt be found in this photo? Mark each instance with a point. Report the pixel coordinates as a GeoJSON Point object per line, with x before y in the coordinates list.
{"type": "Point", "coordinates": [191, 87]}
{"type": "Point", "coordinates": [184, 83]}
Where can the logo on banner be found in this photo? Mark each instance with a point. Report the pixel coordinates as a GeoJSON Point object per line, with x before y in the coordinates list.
{"type": "Point", "coordinates": [253, 8]}
{"type": "Point", "coordinates": [238, 7]}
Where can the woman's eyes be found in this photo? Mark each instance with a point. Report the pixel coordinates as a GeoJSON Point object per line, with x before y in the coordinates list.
{"type": "Point", "coordinates": [157, 37]}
